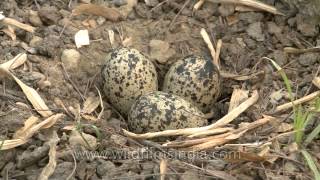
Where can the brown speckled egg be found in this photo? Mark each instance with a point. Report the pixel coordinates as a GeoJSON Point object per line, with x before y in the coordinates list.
{"type": "Point", "coordinates": [159, 111]}
{"type": "Point", "coordinates": [128, 74]}
{"type": "Point", "coordinates": [196, 79]}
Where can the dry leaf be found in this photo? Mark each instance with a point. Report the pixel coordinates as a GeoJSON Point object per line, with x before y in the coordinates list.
{"type": "Point", "coordinates": [241, 8]}
{"type": "Point", "coordinates": [244, 156]}
{"type": "Point", "coordinates": [69, 128]}
{"type": "Point", "coordinates": [98, 10]}
{"type": "Point", "coordinates": [1, 16]}
{"type": "Point", "coordinates": [206, 38]}
{"type": "Point", "coordinates": [34, 98]}
{"type": "Point", "coordinates": [316, 82]}
{"type": "Point", "coordinates": [284, 127]}
{"type": "Point", "coordinates": [238, 96]}
{"type": "Point", "coordinates": [30, 93]}
{"type": "Point", "coordinates": [251, 3]}
{"type": "Point", "coordinates": [13, 22]}
{"type": "Point", "coordinates": [198, 5]}
{"type": "Point", "coordinates": [89, 117]}
{"type": "Point", "coordinates": [91, 104]}
{"type": "Point", "coordinates": [15, 62]}
{"type": "Point", "coordinates": [9, 144]}
{"type": "Point", "coordinates": [51, 166]}
{"type": "Point", "coordinates": [21, 133]}
{"type": "Point", "coordinates": [47, 123]}
{"type": "Point", "coordinates": [111, 37]}
{"type": "Point", "coordinates": [81, 38]}
{"type": "Point", "coordinates": [127, 42]}
{"type": "Point", "coordinates": [232, 19]}
{"type": "Point", "coordinates": [163, 168]}
{"type": "Point", "coordinates": [10, 32]}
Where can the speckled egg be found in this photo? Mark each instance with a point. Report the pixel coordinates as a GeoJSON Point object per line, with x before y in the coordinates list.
{"type": "Point", "coordinates": [159, 111]}
{"type": "Point", "coordinates": [128, 74]}
{"type": "Point", "coordinates": [196, 79]}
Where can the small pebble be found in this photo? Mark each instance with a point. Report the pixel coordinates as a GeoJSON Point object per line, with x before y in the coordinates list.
{"type": "Point", "coordinates": [160, 50]}
{"type": "Point", "coordinates": [70, 58]}
{"type": "Point", "coordinates": [273, 28]}
{"type": "Point", "coordinates": [34, 18]}
{"type": "Point", "coordinates": [255, 31]}
{"type": "Point", "coordinates": [119, 140]}
{"type": "Point", "coordinates": [76, 139]}
{"type": "Point", "coordinates": [105, 168]}
{"type": "Point", "coordinates": [308, 59]}
{"type": "Point", "coordinates": [226, 10]}
{"type": "Point", "coordinates": [35, 41]}
{"type": "Point", "coordinates": [119, 2]}
{"type": "Point", "coordinates": [49, 15]}
{"type": "Point", "coordinates": [307, 27]}
{"type": "Point", "coordinates": [152, 3]}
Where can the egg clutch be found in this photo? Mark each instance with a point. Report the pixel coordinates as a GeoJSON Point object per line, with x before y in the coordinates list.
{"type": "Point", "coordinates": [190, 89]}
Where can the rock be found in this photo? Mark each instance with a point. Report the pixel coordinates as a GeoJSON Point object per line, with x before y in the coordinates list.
{"type": "Point", "coordinates": [255, 31]}
{"type": "Point", "coordinates": [290, 167]}
{"type": "Point", "coordinates": [276, 96]}
{"type": "Point", "coordinates": [35, 41]}
{"type": "Point", "coordinates": [160, 50]}
{"type": "Point", "coordinates": [6, 156]}
{"type": "Point", "coordinates": [71, 58]}
{"type": "Point", "coordinates": [306, 26]}
{"type": "Point", "coordinates": [273, 28]}
{"type": "Point", "coordinates": [226, 9]}
{"type": "Point", "coordinates": [119, 140]}
{"type": "Point", "coordinates": [279, 57]}
{"type": "Point", "coordinates": [34, 18]}
{"type": "Point", "coordinates": [28, 158]}
{"type": "Point", "coordinates": [49, 15]}
{"type": "Point", "coordinates": [308, 59]}
{"type": "Point", "coordinates": [50, 46]}
{"type": "Point", "coordinates": [119, 2]}
{"type": "Point", "coordinates": [105, 168]}
{"type": "Point", "coordinates": [152, 3]}
{"type": "Point", "coordinates": [76, 139]}
{"type": "Point", "coordinates": [101, 20]}
{"type": "Point", "coordinates": [62, 171]}
{"type": "Point", "coordinates": [251, 17]}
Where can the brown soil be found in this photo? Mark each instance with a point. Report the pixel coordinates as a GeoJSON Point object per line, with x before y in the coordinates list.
{"type": "Point", "coordinates": [246, 36]}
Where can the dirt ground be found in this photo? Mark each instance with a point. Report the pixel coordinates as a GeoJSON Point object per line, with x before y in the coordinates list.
{"type": "Point", "coordinates": [247, 37]}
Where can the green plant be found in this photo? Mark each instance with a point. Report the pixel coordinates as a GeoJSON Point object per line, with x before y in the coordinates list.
{"type": "Point", "coordinates": [302, 117]}
{"type": "Point", "coordinates": [79, 128]}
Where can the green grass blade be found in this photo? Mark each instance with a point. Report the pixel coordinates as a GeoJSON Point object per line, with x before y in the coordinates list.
{"type": "Point", "coordinates": [298, 123]}
{"type": "Point", "coordinates": [311, 164]}
{"type": "Point", "coordinates": [97, 131]}
{"type": "Point", "coordinates": [315, 132]}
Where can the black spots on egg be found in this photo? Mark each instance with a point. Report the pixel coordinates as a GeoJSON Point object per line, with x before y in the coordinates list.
{"type": "Point", "coordinates": [194, 97]}
{"type": "Point", "coordinates": [207, 70]}
{"type": "Point", "coordinates": [206, 83]}
{"type": "Point", "coordinates": [127, 69]}
{"type": "Point", "coordinates": [191, 78]}
{"type": "Point", "coordinates": [183, 118]}
{"type": "Point", "coordinates": [159, 111]}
